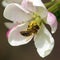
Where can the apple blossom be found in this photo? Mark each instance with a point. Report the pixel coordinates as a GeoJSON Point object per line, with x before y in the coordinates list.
{"type": "Point", "coordinates": [28, 22]}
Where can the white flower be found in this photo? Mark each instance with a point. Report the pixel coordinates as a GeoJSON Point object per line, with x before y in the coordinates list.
{"type": "Point", "coordinates": [28, 22]}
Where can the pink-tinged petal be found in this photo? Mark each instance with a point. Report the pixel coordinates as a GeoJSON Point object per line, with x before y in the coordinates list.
{"type": "Point", "coordinates": [39, 8]}
{"type": "Point", "coordinates": [35, 2]}
{"type": "Point", "coordinates": [52, 21]}
{"type": "Point", "coordinates": [28, 5]}
{"type": "Point", "coordinates": [10, 26]}
{"type": "Point", "coordinates": [16, 13]}
{"type": "Point", "coordinates": [44, 42]}
{"type": "Point", "coordinates": [7, 34]}
{"type": "Point", "coordinates": [15, 38]}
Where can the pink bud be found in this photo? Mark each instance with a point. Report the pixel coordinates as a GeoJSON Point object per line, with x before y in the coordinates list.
{"type": "Point", "coordinates": [52, 21]}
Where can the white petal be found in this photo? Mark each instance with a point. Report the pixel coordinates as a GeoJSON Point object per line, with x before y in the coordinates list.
{"type": "Point", "coordinates": [42, 12]}
{"type": "Point", "coordinates": [44, 42]}
{"type": "Point", "coordinates": [6, 2]}
{"type": "Point", "coordinates": [52, 21]}
{"type": "Point", "coordinates": [40, 9]}
{"type": "Point", "coordinates": [12, 1]}
{"type": "Point", "coordinates": [15, 38]}
{"type": "Point", "coordinates": [28, 5]}
{"type": "Point", "coordinates": [10, 25]}
{"type": "Point", "coordinates": [38, 3]}
{"type": "Point", "coordinates": [15, 12]}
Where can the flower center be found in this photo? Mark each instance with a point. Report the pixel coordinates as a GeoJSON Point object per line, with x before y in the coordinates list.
{"type": "Point", "coordinates": [33, 26]}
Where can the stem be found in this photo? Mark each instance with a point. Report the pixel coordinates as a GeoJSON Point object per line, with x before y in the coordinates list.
{"type": "Point", "coordinates": [54, 7]}
{"type": "Point", "coordinates": [52, 0]}
{"type": "Point", "coordinates": [49, 4]}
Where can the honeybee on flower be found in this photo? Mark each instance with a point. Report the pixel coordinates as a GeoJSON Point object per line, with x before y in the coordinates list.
{"type": "Point", "coordinates": [29, 21]}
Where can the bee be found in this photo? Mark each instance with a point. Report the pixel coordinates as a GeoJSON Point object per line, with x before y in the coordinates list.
{"type": "Point", "coordinates": [31, 31]}
{"type": "Point", "coordinates": [26, 33]}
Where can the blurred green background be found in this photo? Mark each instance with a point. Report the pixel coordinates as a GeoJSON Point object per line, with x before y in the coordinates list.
{"type": "Point", "coordinates": [25, 52]}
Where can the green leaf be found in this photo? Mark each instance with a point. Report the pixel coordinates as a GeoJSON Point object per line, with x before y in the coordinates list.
{"type": "Point", "coordinates": [49, 4]}
{"type": "Point", "coordinates": [57, 14]}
